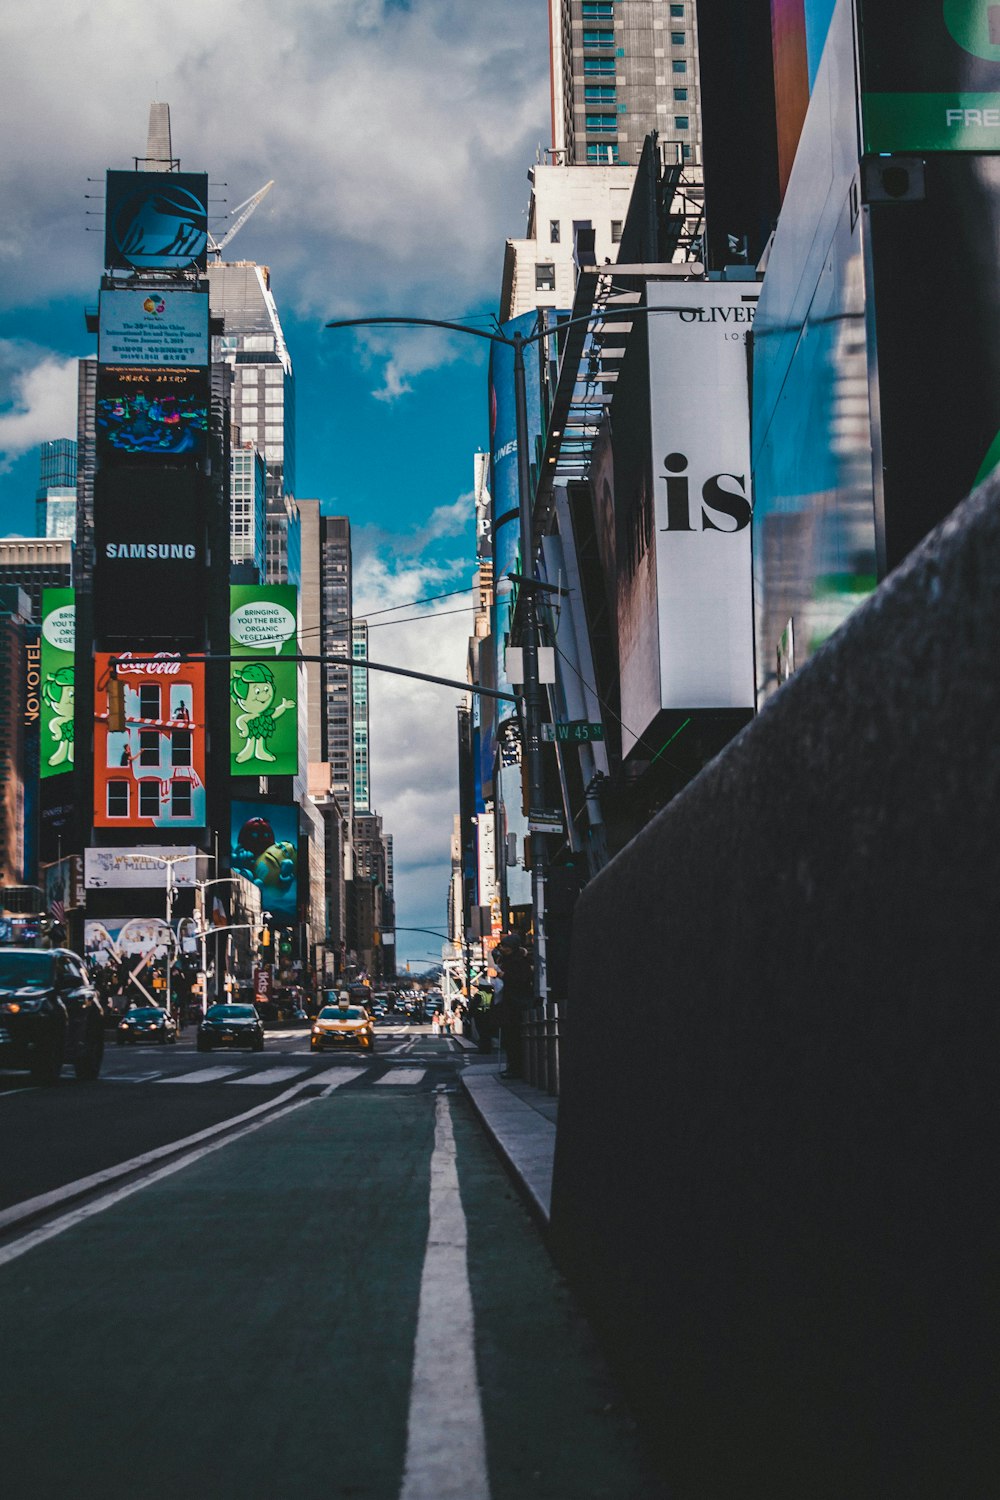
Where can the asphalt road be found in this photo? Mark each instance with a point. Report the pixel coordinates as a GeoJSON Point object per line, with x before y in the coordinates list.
{"type": "Point", "coordinates": [336, 1294]}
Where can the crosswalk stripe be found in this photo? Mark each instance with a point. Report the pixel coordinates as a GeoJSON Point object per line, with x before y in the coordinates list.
{"type": "Point", "coordinates": [204, 1075]}
{"type": "Point", "coordinates": [335, 1079]}
{"type": "Point", "coordinates": [403, 1075]}
{"type": "Point", "coordinates": [272, 1075]}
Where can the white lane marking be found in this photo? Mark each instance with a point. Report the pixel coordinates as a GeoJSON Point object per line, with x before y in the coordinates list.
{"type": "Point", "coordinates": [31, 1206]}
{"type": "Point", "coordinates": [266, 1076]}
{"type": "Point", "coordinates": [131, 1077]}
{"type": "Point", "coordinates": [204, 1075]}
{"type": "Point", "coordinates": [446, 1442]}
{"type": "Point", "coordinates": [402, 1075]}
{"type": "Point", "coordinates": [344, 1075]}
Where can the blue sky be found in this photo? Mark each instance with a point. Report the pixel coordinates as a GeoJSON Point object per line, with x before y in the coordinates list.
{"type": "Point", "coordinates": [399, 137]}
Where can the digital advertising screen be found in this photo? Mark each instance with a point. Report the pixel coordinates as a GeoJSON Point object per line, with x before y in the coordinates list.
{"type": "Point", "coordinates": [57, 686]}
{"type": "Point", "coordinates": [151, 412]}
{"type": "Point", "coordinates": [265, 848]}
{"type": "Point", "coordinates": [149, 555]}
{"type": "Point", "coordinates": [151, 772]}
{"type": "Point", "coordinates": [165, 328]}
{"type": "Point", "coordinates": [263, 717]}
{"type": "Point", "coordinates": [156, 221]}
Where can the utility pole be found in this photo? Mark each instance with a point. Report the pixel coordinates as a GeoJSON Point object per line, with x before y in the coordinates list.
{"type": "Point", "coordinates": [532, 689]}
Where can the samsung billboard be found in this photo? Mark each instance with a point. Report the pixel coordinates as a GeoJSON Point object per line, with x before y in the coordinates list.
{"type": "Point", "coordinates": [149, 556]}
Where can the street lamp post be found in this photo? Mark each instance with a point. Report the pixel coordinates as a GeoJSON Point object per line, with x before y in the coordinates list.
{"type": "Point", "coordinates": [202, 886]}
{"type": "Point", "coordinates": [531, 687]}
{"type": "Point", "coordinates": [168, 862]}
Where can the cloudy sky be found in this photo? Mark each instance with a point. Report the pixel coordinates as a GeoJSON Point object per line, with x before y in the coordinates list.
{"type": "Point", "coordinates": [398, 134]}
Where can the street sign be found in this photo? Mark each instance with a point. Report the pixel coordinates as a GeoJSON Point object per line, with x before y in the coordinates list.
{"type": "Point", "coordinates": [545, 820]}
{"type": "Point", "coordinates": [573, 731]}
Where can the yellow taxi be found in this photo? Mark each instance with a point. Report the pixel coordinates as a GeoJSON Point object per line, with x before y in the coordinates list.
{"type": "Point", "coordinates": [343, 1025]}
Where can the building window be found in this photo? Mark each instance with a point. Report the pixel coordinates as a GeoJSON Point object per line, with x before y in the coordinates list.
{"type": "Point", "coordinates": [680, 122]}
{"type": "Point", "coordinates": [601, 151]}
{"type": "Point", "coordinates": [676, 11]}
{"type": "Point", "coordinates": [616, 230]}
{"type": "Point", "coordinates": [180, 751]}
{"type": "Point", "coordinates": [149, 799]}
{"type": "Point", "coordinates": [602, 123]}
{"type": "Point", "coordinates": [149, 701]}
{"type": "Point", "coordinates": [592, 65]}
{"type": "Point", "coordinates": [679, 65]}
{"type": "Point", "coordinates": [598, 10]}
{"type": "Point", "coordinates": [686, 152]}
{"type": "Point", "coordinates": [553, 231]}
{"type": "Point", "coordinates": [603, 39]}
{"type": "Point", "coordinates": [149, 747]}
{"type": "Point", "coordinates": [677, 38]}
{"type": "Point", "coordinates": [117, 799]}
{"type": "Point", "coordinates": [545, 277]}
{"type": "Point", "coordinates": [680, 96]}
{"type": "Point", "coordinates": [600, 93]}
{"type": "Point", "coordinates": [180, 799]}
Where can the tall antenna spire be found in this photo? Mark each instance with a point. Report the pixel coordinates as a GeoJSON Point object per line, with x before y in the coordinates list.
{"type": "Point", "coordinates": [159, 155]}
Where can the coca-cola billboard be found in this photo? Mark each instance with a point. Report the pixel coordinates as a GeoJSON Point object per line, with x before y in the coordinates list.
{"type": "Point", "coordinates": [149, 771]}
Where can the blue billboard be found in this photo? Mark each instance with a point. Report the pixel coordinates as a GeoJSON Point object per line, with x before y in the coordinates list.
{"type": "Point", "coordinates": [156, 221]}
{"type": "Point", "coordinates": [265, 848]}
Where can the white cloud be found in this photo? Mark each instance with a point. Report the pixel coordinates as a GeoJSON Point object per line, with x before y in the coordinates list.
{"type": "Point", "coordinates": [414, 746]}
{"type": "Point", "coordinates": [37, 399]}
{"type": "Point", "coordinates": [397, 136]}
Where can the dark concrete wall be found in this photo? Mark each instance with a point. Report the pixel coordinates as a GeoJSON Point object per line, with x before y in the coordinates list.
{"type": "Point", "coordinates": [776, 1167]}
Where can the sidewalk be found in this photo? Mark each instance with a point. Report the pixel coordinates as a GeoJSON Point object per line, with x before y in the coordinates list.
{"type": "Point", "coordinates": [521, 1120]}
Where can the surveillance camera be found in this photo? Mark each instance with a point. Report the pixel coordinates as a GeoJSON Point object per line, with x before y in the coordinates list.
{"type": "Point", "coordinates": [266, 916]}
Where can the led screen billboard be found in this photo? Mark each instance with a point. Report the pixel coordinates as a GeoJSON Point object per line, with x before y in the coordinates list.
{"type": "Point", "coordinates": [151, 773]}
{"type": "Point", "coordinates": [149, 555]}
{"type": "Point", "coordinates": [162, 328]}
{"type": "Point", "coordinates": [57, 681]}
{"type": "Point", "coordinates": [930, 80]}
{"type": "Point", "coordinates": [265, 848]}
{"type": "Point", "coordinates": [263, 733]}
{"type": "Point", "coordinates": [145, 412]}
{"type": "Point", "coordinates": [156, 221]}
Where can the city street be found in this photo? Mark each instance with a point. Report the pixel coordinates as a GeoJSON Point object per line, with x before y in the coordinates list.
{"type": "Point", "coordinates": [269, 1311]}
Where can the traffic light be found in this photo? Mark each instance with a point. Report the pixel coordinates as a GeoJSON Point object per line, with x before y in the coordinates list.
{"type": "Point", "coordinates": [264, 938]}
{"type": "Point", "coordinates": [116, 705]}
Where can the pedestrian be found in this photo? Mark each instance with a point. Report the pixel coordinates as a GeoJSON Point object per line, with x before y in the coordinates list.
{"type": "Point", "coordinates": [514, 960]}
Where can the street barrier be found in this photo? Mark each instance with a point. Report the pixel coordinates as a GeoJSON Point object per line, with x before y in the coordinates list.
{"type": "Point", "coordinates": [779, 1201]}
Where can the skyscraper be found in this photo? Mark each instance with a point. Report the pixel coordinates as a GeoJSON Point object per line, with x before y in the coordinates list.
{"type": "Point", "coordinates": [335, 628]}
{"type": "Point", "coordinates": [55, 498]}
{"type": "Point", "coordinates": [620, 69]}
{"type": "Point", "coordinates": [359, 707]}
{"type": "Point", "coordinates": [253, 344]}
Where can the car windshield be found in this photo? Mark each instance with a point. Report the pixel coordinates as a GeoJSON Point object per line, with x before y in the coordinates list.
{"type": "Point", "coordinates": [338, 1013]}
{"type": "Point", "coordinates": [231, 1013]}
{"type": "Point", "coordinates": [20, 971]}
{"type": "Point", "coordinates": [145, 1013]}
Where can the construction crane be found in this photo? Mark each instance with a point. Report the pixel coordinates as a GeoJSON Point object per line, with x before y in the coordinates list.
{"type": "Point", "coordinates": [243, 211]}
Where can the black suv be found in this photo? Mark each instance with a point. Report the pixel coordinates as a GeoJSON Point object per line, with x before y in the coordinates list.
{"type": "Point", "coordinates": [50, 1013]}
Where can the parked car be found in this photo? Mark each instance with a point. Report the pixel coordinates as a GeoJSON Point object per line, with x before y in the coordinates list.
{"type": "Point", "coordinates": [231, 1026]}
{"type": "Point", "coordinates": [343, 1025]}
{"type": "Point", "coordinates": [146, 1023]}
{"type": "Point", "coordinates": [50, 1014]}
